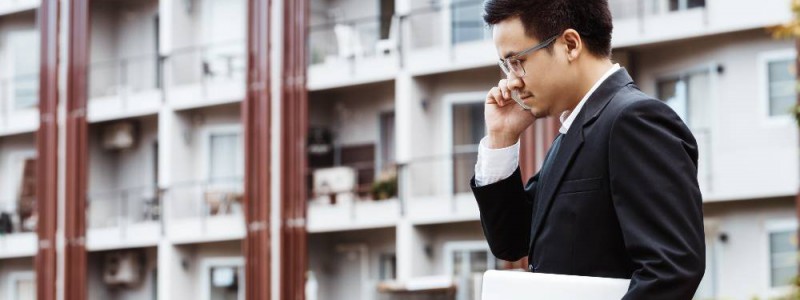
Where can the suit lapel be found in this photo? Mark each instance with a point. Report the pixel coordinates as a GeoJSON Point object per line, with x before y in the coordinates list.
{"type": "Point", "coordinates": [571, 143]}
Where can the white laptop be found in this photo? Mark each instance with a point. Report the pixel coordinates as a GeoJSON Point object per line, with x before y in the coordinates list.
{"type": "Point", "coordinates": [508, 285]}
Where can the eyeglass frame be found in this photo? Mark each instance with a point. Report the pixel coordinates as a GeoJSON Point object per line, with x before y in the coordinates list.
{"type": "Point", "coordinates": [504, 61]}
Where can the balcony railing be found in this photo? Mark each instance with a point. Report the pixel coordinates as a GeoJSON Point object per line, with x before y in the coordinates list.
{"type": "Point", "coordinates": [352, 40]}
{"type": "Point", "coordinates": [123, 208]}
{"type": "Point", "coordinates": [18, 216]}
{"type": "Point", "coordinates": [208, 63]}
{"type": "Point", "coordinates": [124, 77]}
{"type": "Point", "coordinates": [629, 9]}
{"type": "Point", "coordinates": [20, 92]}
{"type": "Point", "coordinates": [459, 22]}
{"type": "Point", "coordinates": [205, 199]}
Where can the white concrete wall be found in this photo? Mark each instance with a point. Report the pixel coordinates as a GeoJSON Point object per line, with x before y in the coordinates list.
{"type": "Point", "coordinates": [144, 289]}
{"type": "Point", "coordinates": [193, 126]}
{"type": "Point", "coordinates": [126, 168]}
{"type": "Point", "coordinates": [743, 261]}
{"type": "Point", "coordinates": [196, 255]}
{"type": "Point", "coordinates": [753, 156]}
{"type": "Point", "coordinates": [352, 114]}
{"type": "Point", "coordinates": [337, 261]}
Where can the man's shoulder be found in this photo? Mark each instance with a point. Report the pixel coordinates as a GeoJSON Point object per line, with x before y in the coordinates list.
{"type": "Point", "coordinates": [630, 100]}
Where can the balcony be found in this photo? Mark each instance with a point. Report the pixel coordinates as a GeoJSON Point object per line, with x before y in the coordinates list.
{"type": "Point", "coordinates": [352, 182]}
{"type": "Point", "coordinates": [461, 39]}
{"type": "Point", "coordinates": [124, 88]}
{"type": "Point", "coordinates": [204, 211]}
{"type": "Point", "coordinates": [436, 189]}
{"type": "Point", "coordinates": [638, 22]}
{"type": "Point", "coordinates": [123, 218]}
{"type": "Point", "coordinates": [206, 75]}
{"type": "Point", "coordinates": [18, 228]}
{"type": "Point", "coordinates": [19, 104]}
{"type": "Point", "coordinates": [352, 52]}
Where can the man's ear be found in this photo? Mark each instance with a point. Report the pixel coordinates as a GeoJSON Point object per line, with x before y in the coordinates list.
{"type": "Point", "coordinates": [573, 45]}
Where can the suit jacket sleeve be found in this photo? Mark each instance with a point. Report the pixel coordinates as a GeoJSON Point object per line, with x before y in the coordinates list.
{"type": "Point", "coordinates": [506, 211]}
{"type": "Point", "coordinates": [653, 181]}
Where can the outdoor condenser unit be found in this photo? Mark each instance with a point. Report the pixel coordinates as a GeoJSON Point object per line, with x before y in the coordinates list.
{"type": "Point", "coordinates": [120, 135]}
{"type": "Point", "coordinates": [122, 268]}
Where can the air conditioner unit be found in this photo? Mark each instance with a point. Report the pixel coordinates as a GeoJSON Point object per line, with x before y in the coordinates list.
{"type": "Point", "coordinates": [120, 135]}
{"type": "Point", "coordinates": [122, 268]}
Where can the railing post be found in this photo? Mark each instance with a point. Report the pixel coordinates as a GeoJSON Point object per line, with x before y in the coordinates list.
{"type": "Point", "coordinates": [123, 83]}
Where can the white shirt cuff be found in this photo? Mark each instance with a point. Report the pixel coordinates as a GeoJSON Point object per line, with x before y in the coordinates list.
{"type": "Point", "coordinates": [495, 164]}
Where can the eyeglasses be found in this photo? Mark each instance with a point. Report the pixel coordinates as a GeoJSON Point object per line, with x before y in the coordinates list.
{"type": "Point", "coordinates": [514, 65]}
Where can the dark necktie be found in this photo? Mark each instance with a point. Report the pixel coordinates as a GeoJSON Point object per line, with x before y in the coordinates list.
{"type": "Point", "coordinates": [548, 163]}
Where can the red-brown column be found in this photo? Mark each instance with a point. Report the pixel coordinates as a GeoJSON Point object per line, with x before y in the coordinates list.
{"type": "Point", "coordinates": [76, 152]}
{"type": "Point", "coordinates": [47, 153]}
{"type": "Point", "coordinates": [294, 123]}
{"type": "Point", "coordinates": [257, 184]}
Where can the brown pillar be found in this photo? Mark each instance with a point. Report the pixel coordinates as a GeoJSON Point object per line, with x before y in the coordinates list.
{"type": "Point", "coordinates": [257, 183]}
{"type": "Point", "coordinates": [294, 124]}
{"type": "Point", "coordinates": [76, 152]}
{"type": "Point", "coordinates": [47, 152]}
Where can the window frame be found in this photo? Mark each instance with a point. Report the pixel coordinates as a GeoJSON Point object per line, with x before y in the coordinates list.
{"type": "Point", "coordinates": [763, 60]}
{"type": "Point", "coordinates": [771, 227]}
{"type": "Point", "coordinates": [205, 147]}
{"type": "Point", "coordinates": [16, 276]}
{"type": "Point", "coordinates": [450, 101]}
{"type": "Point", "coordinates": [206, 264]}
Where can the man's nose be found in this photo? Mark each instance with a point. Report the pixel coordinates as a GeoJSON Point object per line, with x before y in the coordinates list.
{"type": "Point", "coordinates": [515, 82]}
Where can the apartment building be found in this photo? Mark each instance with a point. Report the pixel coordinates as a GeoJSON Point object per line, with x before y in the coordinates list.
{"type": "Point", "coordinates": [395, 114]}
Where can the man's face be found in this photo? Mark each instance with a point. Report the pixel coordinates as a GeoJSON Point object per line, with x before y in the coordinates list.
{"type": "Point", "coordinates": [547, 80]}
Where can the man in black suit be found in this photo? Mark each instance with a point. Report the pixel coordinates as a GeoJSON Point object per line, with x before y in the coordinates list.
{"type": "Point", "coordinates": [617, 195]}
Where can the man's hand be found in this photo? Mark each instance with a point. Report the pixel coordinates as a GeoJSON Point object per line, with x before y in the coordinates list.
{"type": "Point", "coordinates": [505, 119]}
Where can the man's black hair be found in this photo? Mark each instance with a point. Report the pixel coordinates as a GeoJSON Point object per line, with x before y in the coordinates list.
{"type": "Point", "coordinates": [545, 18]}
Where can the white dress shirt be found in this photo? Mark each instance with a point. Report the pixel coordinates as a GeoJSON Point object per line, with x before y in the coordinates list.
{"type": "Point", "coordinates": [497, 164]}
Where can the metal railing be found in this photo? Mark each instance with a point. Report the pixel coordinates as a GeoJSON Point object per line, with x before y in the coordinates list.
{"type": "Point", "coordinates": [123, 207]}
{"type": "Point", "coordinates": [352, 40]}
{"type": "Point", "coordinates": [459, 22]}
{"type": "Point", "coordinates": [123, 77]}
{"type": "Point", "coordinates": [630, 9]}
{"type": "Point", "coordinates": [436, 177]}
{"type": "Point", "coordinates": [208, 63]}
{"type": "Point", "coordinates": [205, 199]}
{"type": "Point", "coordinates": [17, 216]}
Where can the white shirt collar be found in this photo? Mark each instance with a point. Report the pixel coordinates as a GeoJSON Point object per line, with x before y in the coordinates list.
{"type": "Point", "coordinates": [567, 117]}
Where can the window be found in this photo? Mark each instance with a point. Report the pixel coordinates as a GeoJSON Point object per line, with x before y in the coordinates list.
{"type": "Point", "coordinates": [708, 287]}
{"type": "Point", "coordinates": [782, 256]}
{"type": "Point", "coordinates": [224, 279]}
{"type": "Point", "coordinates": [226, 157]}
{"type": "Point", "coordinates": [781, 86]}
{"type": "Point", "coordinates": [469, 128]}
{"type": "Point", "coordinates": [675, 5]}
{"type": "Point", "coordinates": [22, 286]}
{"type": "Point", "coordinates": [466, 262]}
{"type": "Point", "coordinates": [467, 21]}
{"type": "Point", "coordinates": [689, 95]}
{"type": "Point", "coordinates": [388, 267]}
{"type": "Point", "coordinates": [387, 137]}
{"type": "Point", "coordinates": [25, 63]}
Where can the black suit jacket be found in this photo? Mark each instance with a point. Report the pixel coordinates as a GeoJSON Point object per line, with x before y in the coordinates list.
{"type": "Point", "coordinates": [621, 199]}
